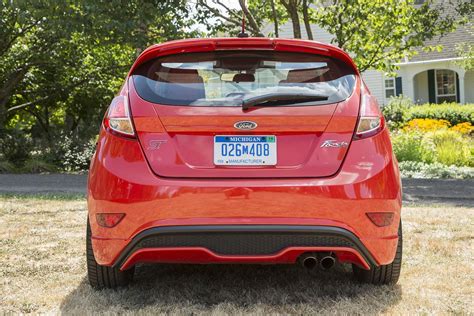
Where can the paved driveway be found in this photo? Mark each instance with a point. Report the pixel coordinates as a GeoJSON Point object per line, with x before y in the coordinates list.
{"type": "Point", "coordinates": [455, 192]}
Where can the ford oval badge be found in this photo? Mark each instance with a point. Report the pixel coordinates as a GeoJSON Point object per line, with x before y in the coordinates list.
{"type": "Point", "coordinates": [245, 125]}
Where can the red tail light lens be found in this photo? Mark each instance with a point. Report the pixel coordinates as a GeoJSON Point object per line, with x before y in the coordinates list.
{"type": "Point", "coordinates": [371, 119]}
{"type": "Point", "coordinates": [109, 220]}
{"type": "Point", "coordinates": [118, 118]}
{"type": "Point", "coordinates": [381, 219]}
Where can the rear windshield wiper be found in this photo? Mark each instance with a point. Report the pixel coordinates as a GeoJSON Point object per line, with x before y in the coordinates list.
{"type": "Point", "coordinates": [281, 99]}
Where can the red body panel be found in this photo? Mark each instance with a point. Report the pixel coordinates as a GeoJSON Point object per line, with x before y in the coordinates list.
{"type": "Point", "coordinates": [185, 189]}
{"type": "Point", "coordinates": [187, 135]}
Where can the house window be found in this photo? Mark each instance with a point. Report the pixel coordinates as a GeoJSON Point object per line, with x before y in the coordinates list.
{"type": "Point", "coordinates": [445, 86]}
{"type": "Point", "coordinates": [390, 90]}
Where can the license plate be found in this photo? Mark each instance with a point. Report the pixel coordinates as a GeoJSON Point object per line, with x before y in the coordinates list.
{"type": "Point", "coordinates": [241, 150]}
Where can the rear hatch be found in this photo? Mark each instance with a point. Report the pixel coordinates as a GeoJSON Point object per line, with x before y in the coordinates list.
{"type": "Point", "coordinates": [244, 114]}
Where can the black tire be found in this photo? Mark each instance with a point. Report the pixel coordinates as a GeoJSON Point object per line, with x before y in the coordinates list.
{"type": "Point", "coordinates": [385, 274]}
{"type": "Point", "coordinates": [101, 277]}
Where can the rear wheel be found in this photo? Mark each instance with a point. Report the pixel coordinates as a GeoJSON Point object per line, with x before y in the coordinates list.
{"type": "Point", "coordinates": [103, 276]}
{"type": "Point", "coordinates": [384, 274]}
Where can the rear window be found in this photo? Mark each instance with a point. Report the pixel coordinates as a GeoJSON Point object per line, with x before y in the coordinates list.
{"type": "Point", "coordinates": [227, 78]}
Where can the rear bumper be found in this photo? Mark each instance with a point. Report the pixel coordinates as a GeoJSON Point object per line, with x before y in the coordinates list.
{"type": "Point", "coordinates": [241, 244]}
{"type": "Point", "coordinates": [120, 181]}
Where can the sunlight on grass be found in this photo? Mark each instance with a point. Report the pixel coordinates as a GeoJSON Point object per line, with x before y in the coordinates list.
{"type": "Point", "coordinates": [42, 249]}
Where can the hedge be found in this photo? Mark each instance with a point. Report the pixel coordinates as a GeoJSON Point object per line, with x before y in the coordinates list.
{"type": "Point", "coordinates": [400, 110]}
{"type": "Point", "coordinates": [454, 113]}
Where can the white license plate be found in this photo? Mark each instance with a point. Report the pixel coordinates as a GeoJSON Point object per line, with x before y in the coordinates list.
{"type": "Point", "coordinates": [242, 150]}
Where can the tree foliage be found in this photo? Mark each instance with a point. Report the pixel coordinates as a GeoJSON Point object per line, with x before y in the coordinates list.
{"type": "Point", "coordinates": [62, 61]}
{"type": "Point", "coordinates": [377, 33]}
{"type": "Point", "coordinates": [380, 34]}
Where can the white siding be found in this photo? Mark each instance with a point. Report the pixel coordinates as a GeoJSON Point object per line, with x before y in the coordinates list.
{"type": "Point", "coordinates": [375, 81]}
{"type": "Point", "coordinates": [469, 86]}
{"type": "Point", "coordinates": [421, 87]}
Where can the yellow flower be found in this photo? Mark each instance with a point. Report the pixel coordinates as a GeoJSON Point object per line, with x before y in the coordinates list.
{"type": "Point", "coordinates": [464, 128]}
{"type": "Point", "coordinates": [426, 125]}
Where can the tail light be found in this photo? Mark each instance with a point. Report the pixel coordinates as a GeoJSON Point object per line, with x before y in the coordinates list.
{"type": "Point", "coordinates": [371, 120]}
{"type": "Point", "coordinates": [118, 120]}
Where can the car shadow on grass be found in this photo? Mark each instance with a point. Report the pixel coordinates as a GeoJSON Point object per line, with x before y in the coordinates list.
{"type": "Point", "coordinates": [235, 289]}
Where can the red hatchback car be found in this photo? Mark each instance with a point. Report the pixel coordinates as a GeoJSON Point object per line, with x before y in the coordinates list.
{"type": "Point", "coordinates": [244, 150]}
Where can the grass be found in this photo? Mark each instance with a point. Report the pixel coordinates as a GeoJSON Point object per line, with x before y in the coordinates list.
{"type": "Point", "coordinates": [59, 196]}
{"type": "Point", "coordinates": [42, 270]}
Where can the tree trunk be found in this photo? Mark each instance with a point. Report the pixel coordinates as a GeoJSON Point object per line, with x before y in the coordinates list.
{"type": "Point", "coordinates": [275, 18]}
{"type": "Point", "coordinates": [292, 8]}
{"type": "Point", "coordinates": [307, 24]}
{"type": "Point", "coordinates": [251, 20]}
{"type": "Point", "coordinates": [7, 89]}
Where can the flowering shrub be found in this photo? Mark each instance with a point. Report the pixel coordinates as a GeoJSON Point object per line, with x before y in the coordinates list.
{"type": "Point", "coordinates": [464, 128]}
{"type": "Point", "coordinates": [426, 125]}
{"type": "Point", "coordinates": [76, 155]}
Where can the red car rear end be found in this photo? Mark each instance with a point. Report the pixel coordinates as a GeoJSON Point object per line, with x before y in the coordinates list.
{"type": "Point", "coordinates": [250, 150]}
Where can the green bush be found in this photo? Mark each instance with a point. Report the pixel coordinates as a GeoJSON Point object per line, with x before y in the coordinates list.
{"type": "Point", "coordinates": [37, 165]}
{"type": "Point", "coordinates": [443, 146]}
{"type": "Point", "coordinates": [410, 146]}
{"type": "Point", "coordinates": [454, 113]}
{"type": "Point", "coordinates": [450, 147]}
{"type": "Point", "coordinates": [15, 146]}
{"type": "Point", "coordinates": [415, 169]}
{"type": "Point", "coordinates": [400, 110]}
{"type": "Point", "coordinates": [6, 167]}
{"type": "Point", "coordinates": [396, 111]}
{"type": "Point", "coordinates": [73, 154]}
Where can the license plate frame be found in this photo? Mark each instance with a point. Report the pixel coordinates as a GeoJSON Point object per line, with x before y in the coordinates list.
{"type": "Point", "coordinates": [262, 153]}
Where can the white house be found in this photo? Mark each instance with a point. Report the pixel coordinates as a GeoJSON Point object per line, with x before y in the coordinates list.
{"type": "Point", "coordinates": [428, 77]}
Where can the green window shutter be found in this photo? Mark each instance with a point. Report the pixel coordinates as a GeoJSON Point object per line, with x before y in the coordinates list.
{"type": "Point", "coordinates": [458, 95]}
{"type": "Point", "coordinates": [398, 86]}
{"type": "Point", "coordinates": [431, 86]}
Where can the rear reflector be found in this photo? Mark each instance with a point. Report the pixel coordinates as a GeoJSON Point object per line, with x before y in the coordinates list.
{"type": "Point", "coordinates": [381, 219]}
{"type": "Point", "coordinates": [109, 220]}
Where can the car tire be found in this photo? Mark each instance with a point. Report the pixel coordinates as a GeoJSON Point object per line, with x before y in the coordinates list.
{"type": "Point", "coordinates": [384, 274]}
{"type": "Point", "coordinates": [100, 276]}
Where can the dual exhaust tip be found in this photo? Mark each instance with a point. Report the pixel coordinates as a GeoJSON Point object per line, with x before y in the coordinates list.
{"type": "Point", "coordinates": [325, 260]}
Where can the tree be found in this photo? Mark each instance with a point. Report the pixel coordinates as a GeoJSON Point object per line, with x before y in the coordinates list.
{"type": "Point", "coordinates": [380, 34]}
{"type": "Point", "coordinates": [465, 51]}
{"type": "Point", "coordinates": [61, 62]}
{"type": "Point", "coordinates": [44, 40]}
{"type": "Point", "coordinates": [292, 7]}
{"type": "Point", "coordinates": [229, 20]}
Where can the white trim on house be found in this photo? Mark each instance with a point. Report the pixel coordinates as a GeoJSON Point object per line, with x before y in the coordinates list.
{"type": "Point", "coordinates": [428, 61]}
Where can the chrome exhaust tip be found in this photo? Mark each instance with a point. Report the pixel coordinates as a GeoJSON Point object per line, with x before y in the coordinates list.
{"type": "Point", "coordinates": [309, 261]}
{"type": "Point", "coordinates": [327, 262]}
